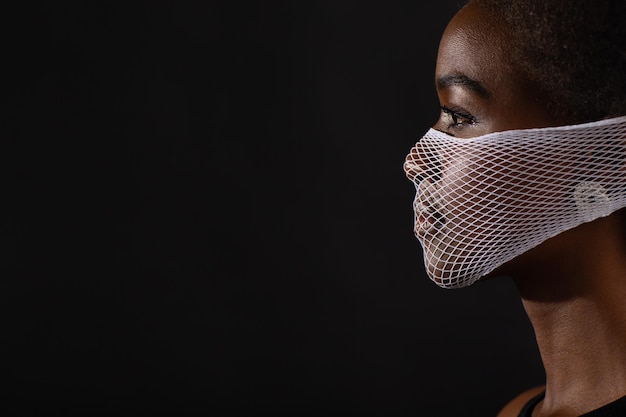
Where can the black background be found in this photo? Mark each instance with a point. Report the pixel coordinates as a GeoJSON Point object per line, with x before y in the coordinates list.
{"type": "Point", "coordinates": [204, 211]}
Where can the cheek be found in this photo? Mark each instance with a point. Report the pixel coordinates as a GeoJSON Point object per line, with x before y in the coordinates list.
{"type": "Point", "coordinates": [483, 200]}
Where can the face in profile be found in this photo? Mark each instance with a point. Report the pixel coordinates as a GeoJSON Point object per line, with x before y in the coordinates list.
{"type": "Point", "coordinates": [472, 200]}
{"type": "Point", "coordinates": [479, 92]}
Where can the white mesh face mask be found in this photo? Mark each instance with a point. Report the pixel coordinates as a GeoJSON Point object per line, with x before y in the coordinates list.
{"type": "Point", "coordinates": [481, 202]}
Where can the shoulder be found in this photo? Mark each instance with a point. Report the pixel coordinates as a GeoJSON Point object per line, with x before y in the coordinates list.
{"type": "Point", "coordinates": [513, 408]}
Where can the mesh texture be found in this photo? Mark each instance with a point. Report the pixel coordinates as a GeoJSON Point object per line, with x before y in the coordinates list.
{"type": "Point", "coordinates": [483, 201]}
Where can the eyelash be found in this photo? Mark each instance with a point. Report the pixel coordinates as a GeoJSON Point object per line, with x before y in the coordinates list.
{"type": "Point", "coordinates": [457, 114]}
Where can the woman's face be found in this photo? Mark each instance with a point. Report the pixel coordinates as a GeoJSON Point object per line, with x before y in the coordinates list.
{"type": "Point", "coordinates": [480, 91]}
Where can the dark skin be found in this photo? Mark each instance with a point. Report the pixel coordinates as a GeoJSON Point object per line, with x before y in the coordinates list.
{"type": "Point", "coordinates": [573, 285]}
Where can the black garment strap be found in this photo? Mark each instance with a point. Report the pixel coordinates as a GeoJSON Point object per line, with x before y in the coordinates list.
{"type": "Point", "coordinates": [614, 409]}
{"type": "Point", "coordinates": [617, 408]}
{"type": "Point", "coordinates": [527, 410]}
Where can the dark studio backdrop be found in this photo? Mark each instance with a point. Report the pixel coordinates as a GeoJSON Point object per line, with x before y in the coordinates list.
{"type": "Point", "coordinates": [204, 211]}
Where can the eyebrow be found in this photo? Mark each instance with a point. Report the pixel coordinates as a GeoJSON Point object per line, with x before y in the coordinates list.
{"type": "Point", "coordinates": [446, 81]}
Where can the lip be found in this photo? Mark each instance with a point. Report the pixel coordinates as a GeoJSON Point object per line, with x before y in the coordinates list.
{"type": "Point", "coordinates": [426, 205]}
{"type": "Point", "coordinates": [423, 224]}
{"type": "Point", "coordinates": [425, 220]}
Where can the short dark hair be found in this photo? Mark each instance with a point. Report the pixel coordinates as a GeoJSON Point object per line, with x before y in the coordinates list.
{"type": "Point", "coordinates": [574, 50]}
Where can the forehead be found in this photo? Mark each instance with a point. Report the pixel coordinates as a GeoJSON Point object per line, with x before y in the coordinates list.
{"type": "Point", "coordinates": [474, 44]}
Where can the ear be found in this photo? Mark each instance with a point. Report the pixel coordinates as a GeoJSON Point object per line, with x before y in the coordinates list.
{"type": "Point", "coordinates": [602, 171]}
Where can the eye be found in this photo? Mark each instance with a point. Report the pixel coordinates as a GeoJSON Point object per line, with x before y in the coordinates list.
{"type": "Point", "coordinates": [455, 118]}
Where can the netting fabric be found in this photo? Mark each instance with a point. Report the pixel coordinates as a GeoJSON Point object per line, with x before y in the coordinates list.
{"type": "Point", "coordinates": [483, 201]}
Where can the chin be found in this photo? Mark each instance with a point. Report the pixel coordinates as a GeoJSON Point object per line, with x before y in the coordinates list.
{"type": "Point", "coordinates": [445, 276]}
{"type": "Point", "coordinates": [450, 270]}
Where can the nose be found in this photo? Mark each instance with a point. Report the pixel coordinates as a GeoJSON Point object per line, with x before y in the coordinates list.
{"type": "Point", "coordinates": [420, 164]}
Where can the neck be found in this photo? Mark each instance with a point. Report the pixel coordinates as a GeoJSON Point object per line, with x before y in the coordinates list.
{"type": "Point", "coordinates": [578, 313]}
